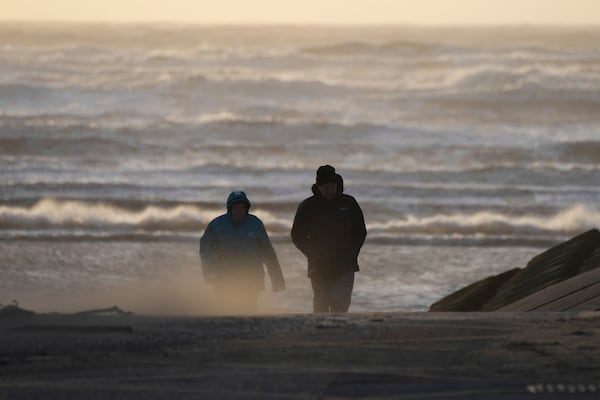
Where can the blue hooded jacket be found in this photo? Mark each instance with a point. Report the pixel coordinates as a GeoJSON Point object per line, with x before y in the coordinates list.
{"type": "Point", "coordinates": [231, 250]}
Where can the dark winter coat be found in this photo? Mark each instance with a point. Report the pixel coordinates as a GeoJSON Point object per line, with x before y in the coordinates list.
{"type": "Point", "coordinates": [330, 233]}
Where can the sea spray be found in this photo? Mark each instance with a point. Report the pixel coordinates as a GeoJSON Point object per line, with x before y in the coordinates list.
{"type": "Point", "coordinates": [469, 149]}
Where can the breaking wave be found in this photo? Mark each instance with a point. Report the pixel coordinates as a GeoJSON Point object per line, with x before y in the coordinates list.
{"type": "Point", "coordinates": [567, 221]}
{"type": "Point", "coordinates": [107, 218]}
{"type": "Point", "coordinates": [395, 48]}
{"type": "Point", "coordinates": [64, 218]}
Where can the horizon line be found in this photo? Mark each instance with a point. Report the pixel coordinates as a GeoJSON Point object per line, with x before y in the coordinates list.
{"type": "Point", "coordinates": [305, 24]}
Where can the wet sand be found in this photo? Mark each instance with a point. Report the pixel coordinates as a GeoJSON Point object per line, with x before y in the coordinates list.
{"type": "Point", "coordinates": [369, 355]}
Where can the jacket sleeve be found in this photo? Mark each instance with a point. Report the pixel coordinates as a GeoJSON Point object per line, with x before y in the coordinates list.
{"type": "Point", "coordinates": [270, 259]}
{"type": "Point", "coordinates": [360, 230]}
{"type": "Point", "coordinates": [300, 230]}
{"type": "Point", "coordinates": [208, 250]}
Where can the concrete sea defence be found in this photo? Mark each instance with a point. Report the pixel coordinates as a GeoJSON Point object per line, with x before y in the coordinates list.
{"type": "Point", "coordinates": [563, 278]}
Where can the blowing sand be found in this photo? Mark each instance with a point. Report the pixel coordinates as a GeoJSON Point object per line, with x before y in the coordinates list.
{"type": "Point", "coordinates": [371, 355]}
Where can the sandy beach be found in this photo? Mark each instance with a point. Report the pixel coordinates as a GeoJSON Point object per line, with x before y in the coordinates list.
{"type": "Point", "coordinates": [365, 355]}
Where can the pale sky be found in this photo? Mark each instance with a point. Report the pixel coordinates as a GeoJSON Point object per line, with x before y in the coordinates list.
{"type": "Point", "coordinates": [569, 12]}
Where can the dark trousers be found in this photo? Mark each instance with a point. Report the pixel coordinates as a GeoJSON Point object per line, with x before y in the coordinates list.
{"type": "Point", "coordinates": [333, 294]}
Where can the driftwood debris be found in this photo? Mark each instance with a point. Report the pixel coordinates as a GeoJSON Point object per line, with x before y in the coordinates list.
{"type": "Point", "coordinates": [13, 310]}
{"type": "Point", "coordinates": [68, 323]}
{"type": "Point", "coordinates": [97, 311]}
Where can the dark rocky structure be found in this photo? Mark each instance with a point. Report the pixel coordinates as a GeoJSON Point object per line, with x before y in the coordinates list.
{"type": "Point", "coordinates": [578, 255]}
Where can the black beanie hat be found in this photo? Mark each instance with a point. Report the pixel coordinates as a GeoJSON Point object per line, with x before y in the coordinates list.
{"type": "Point", "coordinates": [326, 174]}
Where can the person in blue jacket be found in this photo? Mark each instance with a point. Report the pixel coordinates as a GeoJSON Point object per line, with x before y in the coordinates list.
{"type": "Point", "coordinates": [234, 249]}
{"type": "Point", "coordinates": [329, 229]}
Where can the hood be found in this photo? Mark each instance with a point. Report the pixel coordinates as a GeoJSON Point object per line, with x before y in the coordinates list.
{"type": "Point", "coordinates": [237, 197]}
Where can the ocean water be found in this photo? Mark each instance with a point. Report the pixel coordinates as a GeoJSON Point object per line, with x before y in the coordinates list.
{"type": "Point", "coordinates": [470, 151]}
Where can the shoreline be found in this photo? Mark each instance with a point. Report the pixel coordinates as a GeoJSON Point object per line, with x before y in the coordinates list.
{"type": "Point", "coordinates": [357, 355]}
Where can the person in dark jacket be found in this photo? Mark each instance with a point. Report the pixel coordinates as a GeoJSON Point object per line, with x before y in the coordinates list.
{"type": "Point", "coordinates": [329, 229]}
{"type": "Point", "coordinates": [234, 250]}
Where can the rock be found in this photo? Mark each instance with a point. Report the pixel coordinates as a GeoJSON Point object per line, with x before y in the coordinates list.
{"type": "Point", "coordinates": [578, 255]}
